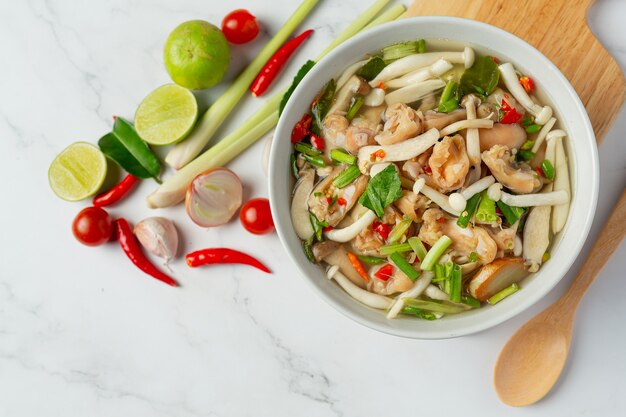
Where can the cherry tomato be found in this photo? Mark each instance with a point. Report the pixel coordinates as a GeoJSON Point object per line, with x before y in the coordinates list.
{"type": "Point", "coordinates": [256, 216]}
{"type": "Point", "coordinates": [240, 26]}
{"type": "Point", "coordinates": [92, 226]}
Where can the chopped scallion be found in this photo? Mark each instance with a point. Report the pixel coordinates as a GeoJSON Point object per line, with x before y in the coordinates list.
{"type": "Point", "coordinates": [523, 155]}
{"type": "Point", "coordinates": [418, 247]}
{"type": "Point", "coordinates": [308, 249]}
{"type": "Point", "coordinates": [318, 161]}
{"type": "Point", "coordinates": [307, 149]}
{"type": "Point", "coordinates": [473, 257]}
{"type": "Point", "coordinates": [435, 252]}
{"type": "Point", "coordinates": [318, 226]}
{"type": "Point", "coordinates": [294, 166]}
{"type": "Point", "coordinates": [548, 169]}
{"type": "Point", "coordinates": [400, 50]}
{"type": "Point", "coordinates": [399, 230]}
{"type": "Point", "coordinates": [341, 156]}
{"type": "Point", "coordinates": [347, 176]}
{"type": "Point", "coordinates": [371, 260]}
{"type": "Point", "coordinates": [528, 145]}
{"type": "Point", "coordinates": [468, 213]}
{"type": "Point", "coordinates": [412, 311]}
{"type": "Point", "coordinates": [355, 107]}
{"type": "Point", "coordinates": [456, 282]}
{"type": "Point", "coordinates": [448, 94]}
{"type": "Point", "coordinates": [470, 301]}
{"type": "Point", "coordinates": [533, 128]}
{"type": "Point", "coordinates": [421, 46]}
{"type": "Point", "coordinates": [437, 307]}
{"type": "Point", "coordinates": [396, 247]}
{"type": "Point", "coordinates": [511, 214]}
{"type": "Point", "coordinates": [486, 212]}
{"type": "Point", "coordinates": [404, 266]}
{"type": "Point", "coordinates": [501, 295]}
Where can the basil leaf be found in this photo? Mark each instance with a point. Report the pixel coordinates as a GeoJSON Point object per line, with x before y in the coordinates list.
{"type": "Point", "coordinates": [382, 190]}
{"type": "Point", "coordinates": [296, 80]}
{"type": "Point", "coordinates": [481, 78]}
{"type": "Point", "coordinates": [124, 146]}
{"type": "Point", "coordinates": [372, 68]}
{"type": "Point", "coordinates": [321, 105]}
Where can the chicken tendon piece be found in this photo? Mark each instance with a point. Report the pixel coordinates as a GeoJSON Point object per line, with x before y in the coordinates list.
{"type": "Point", "coordinates": [401, 123]}
{"type": "Point", "coordinates": [449, 163]}
{"type": "Point", "coordinates": [329, 203]}
{"type": "Point", "coordinates": [519, 178]}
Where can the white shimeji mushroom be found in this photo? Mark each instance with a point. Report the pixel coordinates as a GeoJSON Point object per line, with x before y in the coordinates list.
{"type": "Point", "coordinates": [413, 92]}
{"type": "Point", "coordinates": [438, 68]}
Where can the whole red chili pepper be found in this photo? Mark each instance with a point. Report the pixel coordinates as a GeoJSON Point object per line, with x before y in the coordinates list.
{"type": "Point", "coordinates": [276, 63]}
{"type": "Point", "coordinates": [223, 256]}
{"type": "Point", "coordinates": [131, 247]}
{"type": "Point", "coordinates": [301, 129]}
{"type": "Point", "coordinates": [116, 193]}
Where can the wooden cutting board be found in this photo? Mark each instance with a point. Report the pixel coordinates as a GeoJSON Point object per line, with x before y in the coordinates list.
{"type": "Point", "coordinates": [558, 28]}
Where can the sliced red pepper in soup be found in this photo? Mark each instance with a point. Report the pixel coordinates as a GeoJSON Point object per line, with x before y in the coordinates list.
{"type": "Point", "coordinates": [302, 129]}
{"type": "Point", "coordinates": [384, 273]}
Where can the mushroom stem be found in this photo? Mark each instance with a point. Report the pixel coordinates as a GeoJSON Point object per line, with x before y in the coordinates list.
{"type": "Point", "coordinates": [541, 199]}
{"type": "Point", "coordinates": [413, 62]}
{"type": "Point", "coordinates": [413, 92]}
{"type": "Point", "coordinates": [349, 72]}
{"type": "Point", "coordinates": [543, 133]}
{"type": "Point", "coordinates": [400, 151]}
{"type": "Point", "coordinates": [418, 288]}
{"type": "Point", "coordinates": [479, 186]}
{"type": "Point", "coordinates": [434, 70]}
{"type": "Point", "coordinates": [349, 232]}
{"type": "Point", "coordinates": [440, 199]}
{"type": "Point", "coordinates": [561, 180]}
{"type": "Point", "coordinates": [466, 124]}
{"type": "Point", "coordinates": [542, 114]}
{"type": "Point", "coordinates": [368, 298]}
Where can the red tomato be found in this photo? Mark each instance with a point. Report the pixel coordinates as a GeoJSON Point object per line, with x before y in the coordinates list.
{"type": "Point", "coordinates": [256, 216]}
{"type": "Point", "coordinates": [240, 26]}
{"type": "Point", "coordinates": [92, 226]}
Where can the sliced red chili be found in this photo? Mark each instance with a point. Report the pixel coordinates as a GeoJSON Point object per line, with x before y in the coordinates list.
{"type": "Point", "coordinates": [327, 229]}
{"type": "Point", "coordinates": [276, 63]}
{"type": "Point", "coordinates": [540, 172]}
{"type": "Point", "coordinates": [342, 201]}
{"type": "Point", "coordinates": [382, 229]}
{"type": "Point", "coordinates": [302, 129]}
{"type": "Point", "coordinates": [428, 170]}
{"type": "Point", "coordinates": [131, 247]}
{"type": "Point", "coordinates": [441, 219]}
{"type": "Point", "coordinates": [527, 83]}
{"type": "Point", "coordinates": [384, 273]}
{"type": "Point", "coordinates": [509, 114]}
{"type": "Point", "coordinates": [223, 256]}
{"type": "Point", "coordinates": [317, 142]}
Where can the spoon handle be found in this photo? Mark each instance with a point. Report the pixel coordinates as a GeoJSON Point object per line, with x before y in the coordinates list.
{"type": "Point", "coordinates": [606, 244]}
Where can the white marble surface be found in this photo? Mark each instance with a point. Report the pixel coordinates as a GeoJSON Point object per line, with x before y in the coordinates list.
{"type": "Point", "coordinates": [82, 333]}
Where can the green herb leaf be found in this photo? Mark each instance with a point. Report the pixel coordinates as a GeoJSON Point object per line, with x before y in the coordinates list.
{"type": "Point", "coordinates": [321, 105]}
{"type": "Point", "coordinates": [382, 190]}
{"type": "Point", "coordinates": [372, 68]}
{"type": "Point", "coordinates": [296, 80]}
{"type": "Point", "coordinates": [124, 146]}
{"type": "Point", "coordinates": [481, 78]}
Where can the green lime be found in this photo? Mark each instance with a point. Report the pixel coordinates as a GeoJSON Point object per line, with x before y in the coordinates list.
{"type": "Point", "coordinates": [166, 115]}
{"type": "Point", "coordinates": [196, 55]}
{"type": "Point", "coordinates": [77, 172]}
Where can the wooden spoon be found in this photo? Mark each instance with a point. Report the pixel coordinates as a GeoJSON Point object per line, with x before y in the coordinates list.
{"type": "Point", "coordinates": [532, 360]}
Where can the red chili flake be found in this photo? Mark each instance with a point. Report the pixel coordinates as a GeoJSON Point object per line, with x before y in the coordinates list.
{"type": "Point", "coordinates": [379, 154]}
{"type": "Point", "coordinates": [427, 170]}
{"type": "Point", "coordinates": [342, 201]}
{"type": "Point", "coordinates": [506, 96]}
{"type": "Point", "coordinates": [384, 273]}
{"type": "Point", "coordinates": [527, 83]}
{"type": "Point", "coordinates": [382, 229]}
{"type": "Point", "coordinates": [329, 200]}
{"type": "Point", "coordinates": [301, 129]}
{"type": "Point", "coordinates": [509, 114]}
{"type": "Point", "coordinates": [540, 172]}
{"type": "Point", "coordinates": [114, 118]}
{"type": "Point", "coordinates": [327, 229]}
{"type": "Point", "coordinates": [441, 220]}
{"type": "Point", "coordinates": [317, 142]}
{"type": "Point", "coordinates": [499, 212]}
{"type": "Point", "coordinates": [382, 86]}
{"type": "Point", "coordinates": [495, 59]}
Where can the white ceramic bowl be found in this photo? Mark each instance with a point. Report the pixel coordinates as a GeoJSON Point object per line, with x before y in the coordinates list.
{"type": "Point", "coordinates": [569, 110]}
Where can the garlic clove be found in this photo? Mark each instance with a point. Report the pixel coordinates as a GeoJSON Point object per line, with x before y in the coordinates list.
{"type": "Point", "coordinates": [158, 236]}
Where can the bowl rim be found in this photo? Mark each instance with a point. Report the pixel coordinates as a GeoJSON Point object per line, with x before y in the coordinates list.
{"type": "Point", "coordinates": [479, 325]}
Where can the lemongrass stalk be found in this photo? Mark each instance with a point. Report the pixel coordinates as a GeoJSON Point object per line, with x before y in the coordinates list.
{"type": "Point", "coordinates": [356, 26]}
{"type": "Point", "coordinates": [188, 149]}
{"type": "Point", "coordinates": [387, 16]}
{"type": "Point", "coordinates": [172, 191]}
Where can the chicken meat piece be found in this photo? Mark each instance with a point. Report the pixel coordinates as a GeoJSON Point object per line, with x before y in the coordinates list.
{"type": "Point", "coordinates": [367, 242]}
{"type": "Point", "coordinates": [401, 123]}
{"type": "Point", "coordinates": [449, 163]}
{"type": "Point", "coordinates": [360, 133]}
{"type": "Point", "coordinates": [397, 282]}
{"type": "Point", "coordinates": [504, 238]}
{"type": "Point", "coordinates": [433, 119]}
{"type": "Point", "coordinates": [412, 205]}
{"type": "Point", "coordinates": [464, 241]}
{"type": "Point", "coordinates": [334, 130]}
{"type": "Point", "coordinates": [329, 203]}
{"type": "Point", "coordinates": [519, 178]}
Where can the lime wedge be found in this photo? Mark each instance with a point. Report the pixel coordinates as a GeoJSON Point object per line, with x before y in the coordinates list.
{"type": "Point", "coordinates": [77, 172]}
{"type": "Point", "coordinates": [166, 115]}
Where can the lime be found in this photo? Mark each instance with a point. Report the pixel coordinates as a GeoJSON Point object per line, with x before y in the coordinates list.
{"type": "Point", "coordinates": [196, 55]}
{"type": "Point", "coordinates": [166, 115]}
{"type": "Point", "coordinates": [77, 172]}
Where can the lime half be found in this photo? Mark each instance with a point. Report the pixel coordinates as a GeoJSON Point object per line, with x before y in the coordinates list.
{"type": "Point", "coordinates": [166, 115]}
{"type": "Point", "coordinates": [77, 172]}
